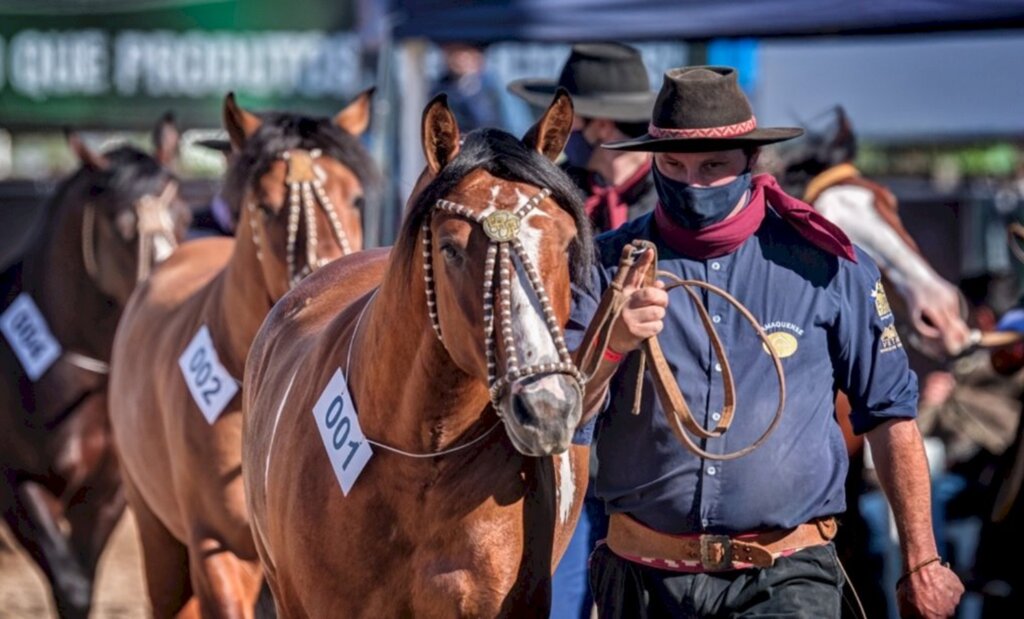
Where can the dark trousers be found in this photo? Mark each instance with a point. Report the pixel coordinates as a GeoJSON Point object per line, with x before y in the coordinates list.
{"type": "Point", "coordinates": [807, 584]}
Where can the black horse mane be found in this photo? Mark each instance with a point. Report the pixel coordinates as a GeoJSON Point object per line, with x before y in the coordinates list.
{"type": "Point", "coordinates": [131, 174]}
{"type": "Point", "coordinates": [503, 156]}
{"type": "Point", "coordinates": [283, 131]}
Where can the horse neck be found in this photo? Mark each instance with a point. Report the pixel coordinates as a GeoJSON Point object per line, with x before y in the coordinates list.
{"type": "Point", "coordinates": [238, 302]}
{"type": "Point", "coordinates": [81, 316]}
{"type": "Point", "coordinates": [403, 380]}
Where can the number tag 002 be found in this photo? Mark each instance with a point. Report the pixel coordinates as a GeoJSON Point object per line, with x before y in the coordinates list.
{"type": "Point", "coordinates": [338, 423]}
{"type": "Point", "coordinates": [210, 384]}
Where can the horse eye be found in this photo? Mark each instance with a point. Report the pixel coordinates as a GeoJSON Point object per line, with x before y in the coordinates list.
{"type": "Point", "coordinates": [358, 202]}
{"type": "Point", "coordinates": [450, 252]}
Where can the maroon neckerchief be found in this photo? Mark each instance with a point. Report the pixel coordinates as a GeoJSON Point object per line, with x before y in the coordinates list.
{"type": "Point", "coordinates": [726, 236]}
{"type": "Point", "coordinates": [610, 197]}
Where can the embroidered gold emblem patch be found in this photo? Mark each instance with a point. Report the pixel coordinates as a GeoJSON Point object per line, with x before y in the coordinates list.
{"type": "Point", "coordinates": [881, 301]}
{"type": "Point", "coordinates": [501, 226]}
{"type": "Point", "coordinates": [784, 344]}
{"type": "Point", "coordinates": [890, 339]}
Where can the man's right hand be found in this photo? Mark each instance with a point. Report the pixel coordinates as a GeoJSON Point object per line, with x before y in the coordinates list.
{"type": "Point", "coordinates": [643, 313]}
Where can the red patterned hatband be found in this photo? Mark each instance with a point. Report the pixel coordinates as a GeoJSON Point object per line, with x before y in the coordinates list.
{"type": "Point", "coordinates": [727, 131]}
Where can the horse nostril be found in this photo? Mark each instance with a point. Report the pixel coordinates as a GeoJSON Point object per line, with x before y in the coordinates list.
{"type": "Point", "coordinates": [522, 412]}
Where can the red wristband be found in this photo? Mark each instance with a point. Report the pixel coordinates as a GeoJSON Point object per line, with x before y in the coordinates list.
{"type": "Point", "coordinates": [612, 356]}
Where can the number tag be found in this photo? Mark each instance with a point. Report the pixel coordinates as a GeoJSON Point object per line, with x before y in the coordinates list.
{"type": "Point", "coordinates": [211, 386]}
{"type": "Point", "coordinates": [339, 428]}
{"type": "Point", "coordinates": [28, 334]}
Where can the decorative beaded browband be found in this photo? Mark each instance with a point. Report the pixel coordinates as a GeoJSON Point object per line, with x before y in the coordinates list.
{"type": "Point", "coordinates": [305, 192]}
{"type": "Point", "coordinates": [502, 228]}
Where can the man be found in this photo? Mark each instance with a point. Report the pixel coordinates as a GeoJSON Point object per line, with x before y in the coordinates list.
{"type": "Point", "coordinates": [750, 536]}
{"type": "Point", "coordinates": [613, 98]}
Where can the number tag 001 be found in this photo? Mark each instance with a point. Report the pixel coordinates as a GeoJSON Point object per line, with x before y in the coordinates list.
{"type": "Point", "coordinates": [339, 428]}
{"type": "Point", "coordinates": [210, 384]}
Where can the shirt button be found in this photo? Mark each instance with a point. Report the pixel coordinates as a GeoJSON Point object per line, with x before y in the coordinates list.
{"type": "Point", "coordinates": [716, 416]}
{"type": "Point", "coordinates": [704, 522]}
{"type": "Point", "coordinates": [716, 266]}
{"type": "Point", "coordinates": [718, 367]}
{"type": "Point", "coordinates": [712, 470]}
{"type": "Point", "coordinates": [716, 319]}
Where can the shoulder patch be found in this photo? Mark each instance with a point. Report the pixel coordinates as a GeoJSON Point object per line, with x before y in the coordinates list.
{"type": "Point", "coordinates": [881, 301]}
{"type": "Point", "coordinates": [890, 339]}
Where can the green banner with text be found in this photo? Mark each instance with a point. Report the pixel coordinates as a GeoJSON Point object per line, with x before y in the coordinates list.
{"type": "Point", "coordinates": [122, 63]}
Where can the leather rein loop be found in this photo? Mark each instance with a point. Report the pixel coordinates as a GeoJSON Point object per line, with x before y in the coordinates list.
{"type": "Point", "coordinates": [677, 411]}
{"type": "Point", "coordinates": [502, 228]}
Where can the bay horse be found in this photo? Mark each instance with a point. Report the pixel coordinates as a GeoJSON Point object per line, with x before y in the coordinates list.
{"type": "Point", "coordinates": [298, 184]}
{"type": "Point", "coordinates": [451, 347]}
{"type": "Point", "coordinates": [102, 231]}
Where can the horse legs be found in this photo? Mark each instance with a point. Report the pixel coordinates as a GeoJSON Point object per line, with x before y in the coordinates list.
{"type": "Point", "coordinates": [226, 586]}
{"type": "Point", "coordinates": [94, 512]}
{"type": "Point", "coordinates": [29, 514]}
{"type": "Point", "coordinates": [165, 561]}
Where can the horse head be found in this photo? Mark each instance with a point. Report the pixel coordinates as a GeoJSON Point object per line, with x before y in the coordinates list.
{"type": "Point", "coordinates": [132, 218]}
{"type": "Point", "coordinates": [301, 183]}
{"type": "Point", "coordinates": [496, 224]}
{"type": "Point", "coordinates": [828, 141]}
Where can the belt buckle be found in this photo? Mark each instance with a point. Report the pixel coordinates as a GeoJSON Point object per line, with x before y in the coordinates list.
{"type": "Point", "coordinates": [715, 552]}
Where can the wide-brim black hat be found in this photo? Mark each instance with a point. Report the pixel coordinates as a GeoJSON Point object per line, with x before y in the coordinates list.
{"type": "Point", "coordinates": [606, 80]}
{"type": "Point", "coordinates": [703, 109]}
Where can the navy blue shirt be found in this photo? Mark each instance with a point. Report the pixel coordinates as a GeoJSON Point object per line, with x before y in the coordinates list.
{"type": "Point", "coordinates": [830, 319]}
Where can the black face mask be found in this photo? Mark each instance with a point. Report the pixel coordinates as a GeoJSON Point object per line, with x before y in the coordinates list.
{"type": "Point", "coordinates": [578, 150]}
{"type": "Point", "coordinates": [699, 207]}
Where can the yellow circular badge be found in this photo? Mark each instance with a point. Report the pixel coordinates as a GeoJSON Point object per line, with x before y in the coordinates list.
{"type": "Point", "coordinates": [785, 344]}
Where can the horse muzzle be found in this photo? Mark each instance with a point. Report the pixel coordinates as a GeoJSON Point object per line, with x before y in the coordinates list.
{"type": "Point", "coordinates": [541, 413]}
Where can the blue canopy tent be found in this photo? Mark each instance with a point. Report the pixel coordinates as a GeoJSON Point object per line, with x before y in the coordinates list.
{"type": "Point", "coordinates": [632, 20]}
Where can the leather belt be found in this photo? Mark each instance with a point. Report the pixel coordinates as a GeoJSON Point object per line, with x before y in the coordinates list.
{"type": "Point", "coordinates": [712, 553]}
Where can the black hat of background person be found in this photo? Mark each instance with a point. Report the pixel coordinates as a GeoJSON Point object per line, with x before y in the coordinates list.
{"type": "Point", "coordinates": [703, 109]}
{"type": "Point", "coordinates": [606, 80]}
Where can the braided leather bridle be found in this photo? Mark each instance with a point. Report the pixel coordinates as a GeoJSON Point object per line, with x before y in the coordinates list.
{"type": "Point", "coordinates": [502, 228]}
{"type": "Point", "coordinates": [305, 182]}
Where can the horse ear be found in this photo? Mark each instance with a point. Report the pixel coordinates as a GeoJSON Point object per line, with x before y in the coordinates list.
{"type": "Point", "coordinates": [355, 118]}
{"type": "Point", "coordinates": [166, 139]}
{"type": "Point", "coordinates": [440, 133]}
{"type": "Point", "coordinates": [88, 157]}
{"type": "Point", "coordinates": [240, 124]}
{"type": "Point", "coordinates": [549, 135]}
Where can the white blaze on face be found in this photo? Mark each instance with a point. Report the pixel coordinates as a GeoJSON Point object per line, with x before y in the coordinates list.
{"type": "Point", "coordinates": [566, 486]}
{"type": "Point", "coordinates": [534, 343]}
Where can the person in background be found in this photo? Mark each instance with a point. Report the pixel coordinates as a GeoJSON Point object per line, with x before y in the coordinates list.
{"type": "Point", "coordinates": [691, 536]}
{"type": "Point", "coordinates": [612, 97]}
{"type": "Point", "coordinates": [474, 96]}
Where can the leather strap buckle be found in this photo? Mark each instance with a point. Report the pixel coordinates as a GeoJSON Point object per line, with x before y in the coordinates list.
{"type": "Point", "coordinates": [715, 552]}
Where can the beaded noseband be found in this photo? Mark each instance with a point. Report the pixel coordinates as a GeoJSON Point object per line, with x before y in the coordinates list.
{"type": "Point", "coordinates": [305, 182]}
{"type": "Point", "coordinates": [502, 227]}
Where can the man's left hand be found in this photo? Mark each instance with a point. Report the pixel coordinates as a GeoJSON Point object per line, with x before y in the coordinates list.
{"type": "Point", "coordinates": [932, 592]}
